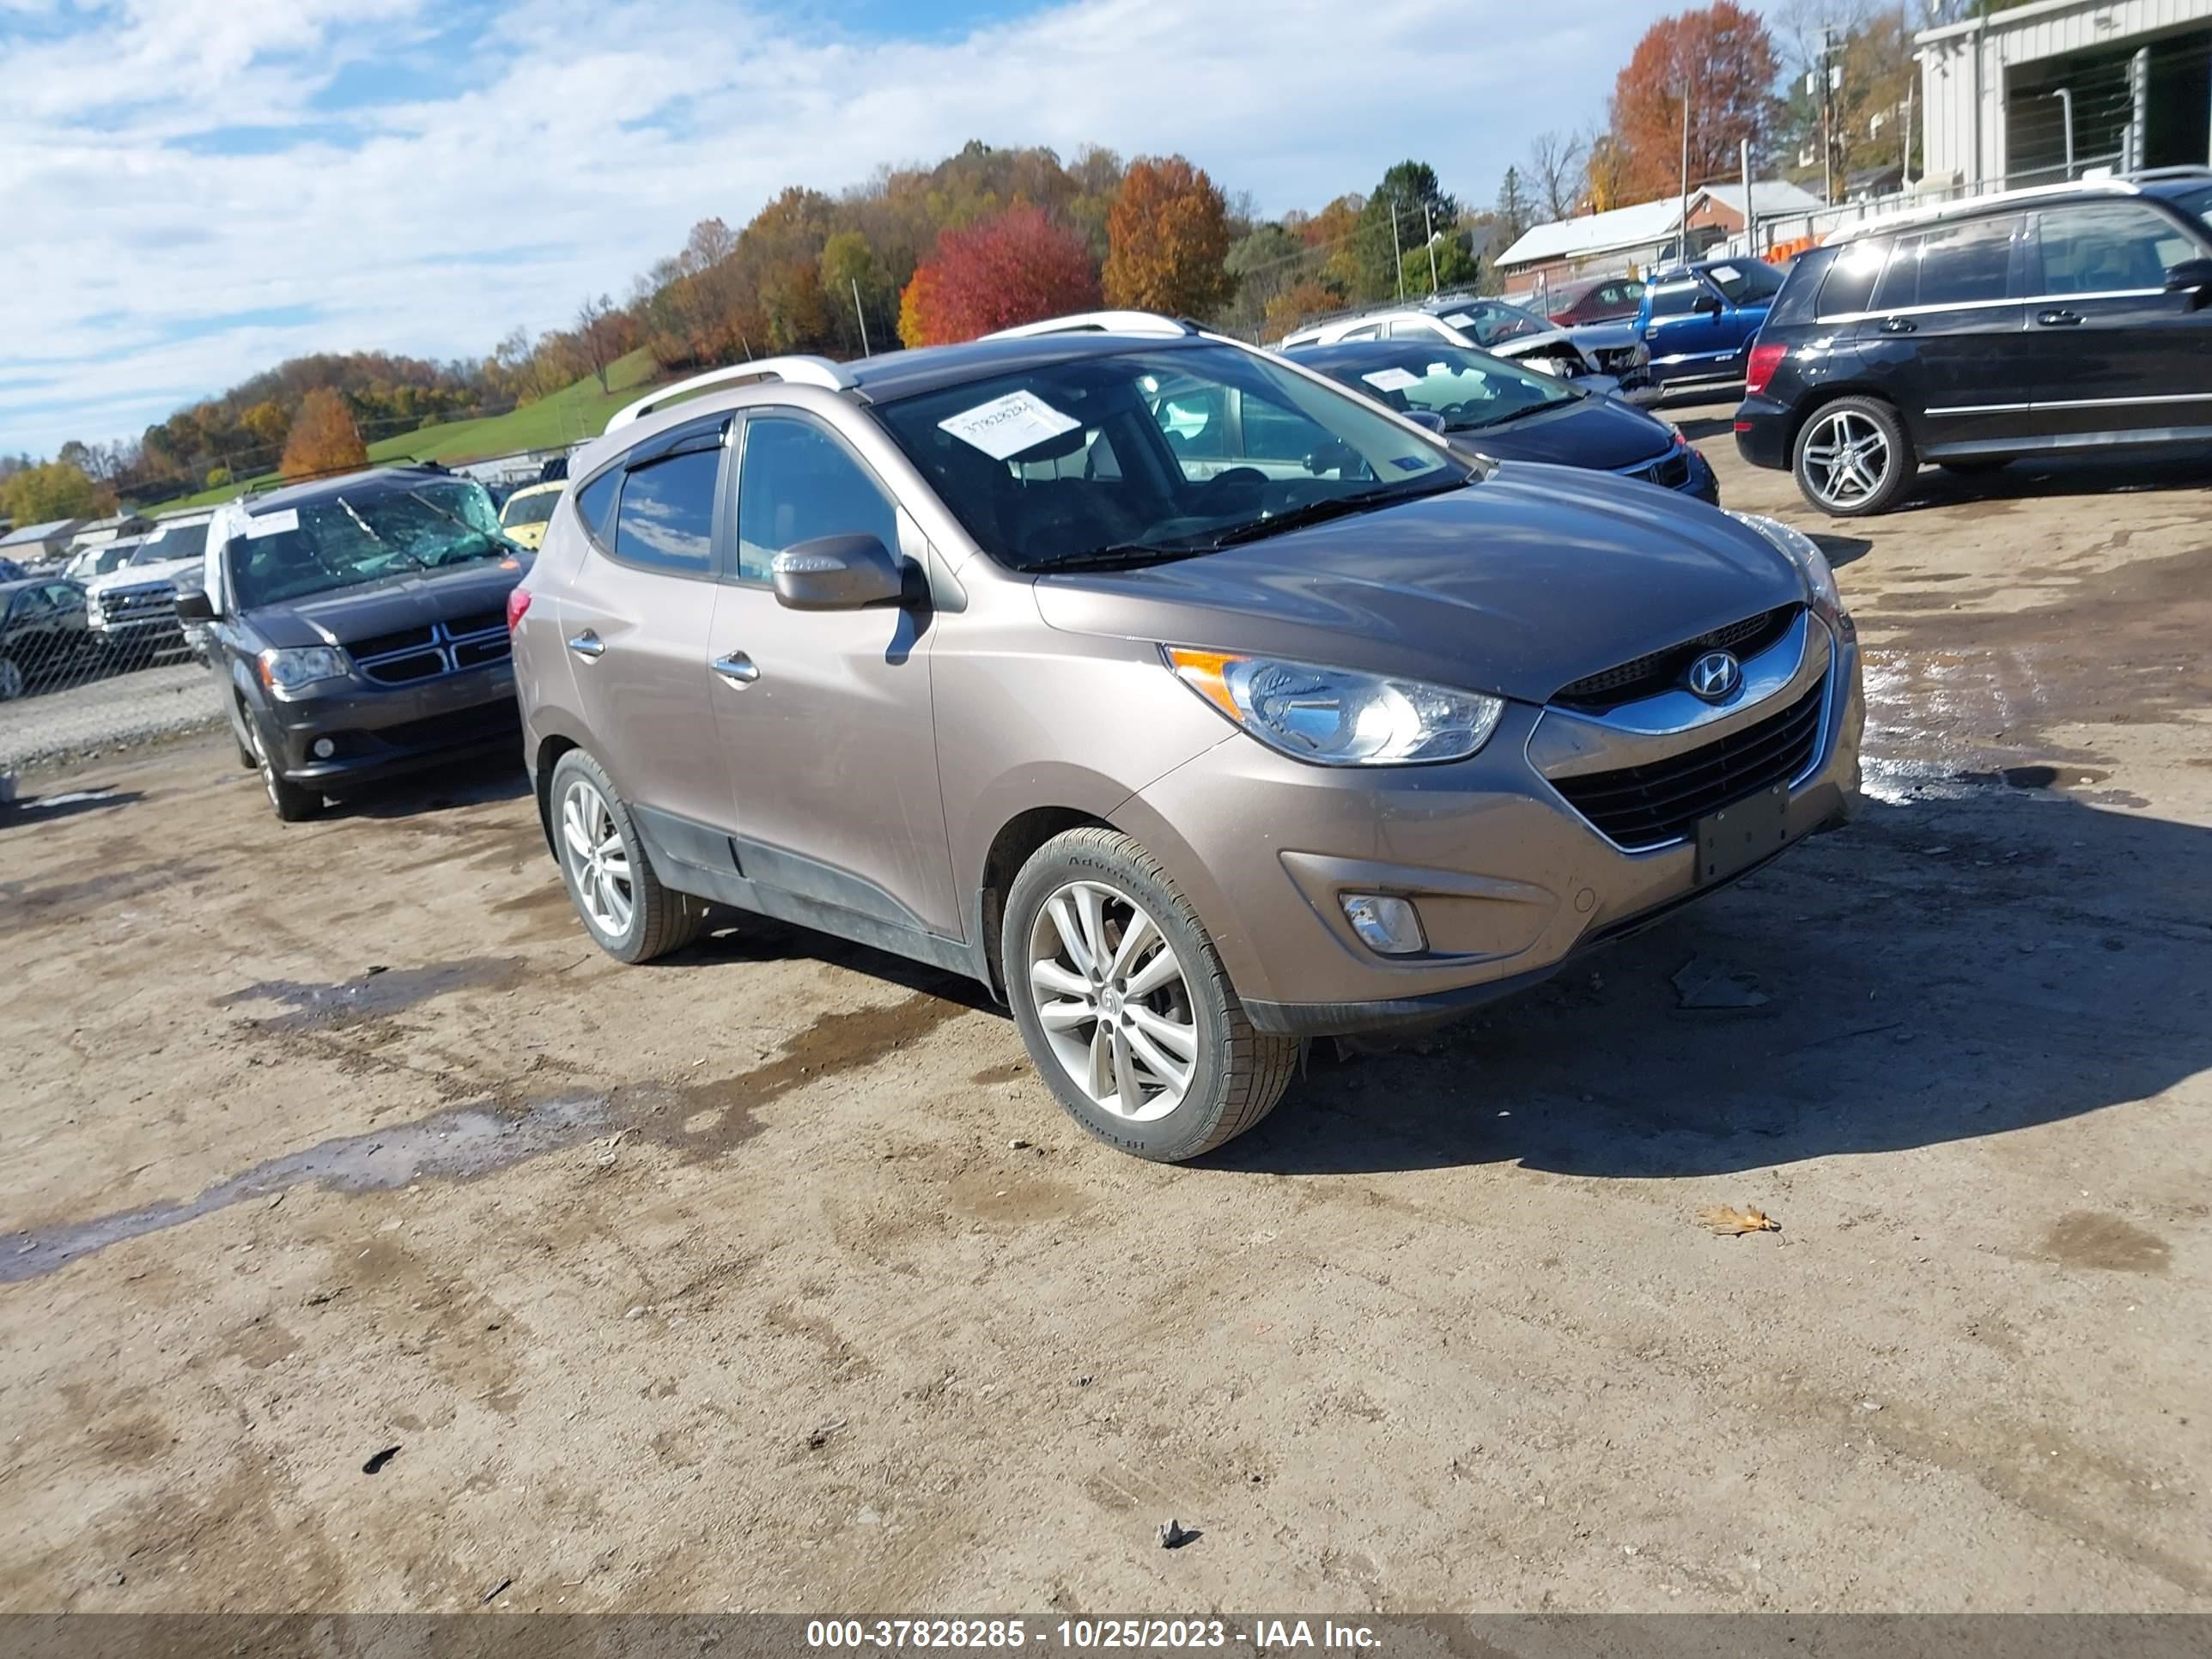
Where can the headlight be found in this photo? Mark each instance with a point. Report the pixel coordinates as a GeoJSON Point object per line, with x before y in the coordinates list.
{"type": "Point", "coordinates": [1800, 550]}
{"type": "Point", "coordinates": [1338, 716]}
{"type": "Point", "coordinates": [289, 670]}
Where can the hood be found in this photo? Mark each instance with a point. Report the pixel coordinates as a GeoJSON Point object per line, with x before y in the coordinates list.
{"type": "Point", "coordinates": [376, 608]}
{"type": "Point", "coordinates": [1519, 584]}
{"type": "Point", "coordinates": [1599, 433]}
{"type": "Point", "coordinates": [140, 576]}
{"type": "Point", "coordinates": [1604, 336]}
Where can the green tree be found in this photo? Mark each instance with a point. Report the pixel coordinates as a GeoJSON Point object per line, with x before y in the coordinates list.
{"type": "Point", "coordinates": [1455, 267]}
{"type": "Point", "coordinates": [850, 268]}
{"type": "Point", "coordinates": [1410, 195]}
{"type": "Point", "coordinates": [1515, 213]}
{"type": "Point", "coordinates": [58, 489]}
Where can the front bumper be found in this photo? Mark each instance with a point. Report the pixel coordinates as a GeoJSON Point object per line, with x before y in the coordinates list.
{"type": "Point", "coordinates": [381, 732]}
{"type": "Point", "coordinates": [1509, 880]}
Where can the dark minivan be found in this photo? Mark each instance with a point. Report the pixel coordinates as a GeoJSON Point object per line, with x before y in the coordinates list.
{"type": "Point", "coordinates": [360, 628]}
{"type": "Point", "coordinates": [2061, 318]}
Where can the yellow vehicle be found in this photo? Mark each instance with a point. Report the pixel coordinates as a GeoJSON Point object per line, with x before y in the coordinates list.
{"type": "Point", "coordinates": [527, 512]}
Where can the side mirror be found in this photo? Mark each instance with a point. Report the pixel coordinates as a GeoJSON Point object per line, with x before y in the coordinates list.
{"type": "Point", "coordinates": [837, 573]}
{"type": "Point", "coordinates": [2190, 276]}
{"type": "Point", "coordinates": [1426, 418]}
{"type": "Point", "coordinates": [195, 606]}
{"type": "Point", "coordinates": [1706, 305]}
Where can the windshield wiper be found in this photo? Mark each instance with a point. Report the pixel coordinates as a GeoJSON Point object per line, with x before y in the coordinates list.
{"type": "Point", "coordinates": [1511, 415]}
{"type": "Point", "coordinates": [1122, 555]}
{"type": "Point", "coordinates": [1335, 506]}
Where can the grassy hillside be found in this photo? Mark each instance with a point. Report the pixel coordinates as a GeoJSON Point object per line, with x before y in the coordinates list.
{"type": "Point", "coordinates": [575, 411]}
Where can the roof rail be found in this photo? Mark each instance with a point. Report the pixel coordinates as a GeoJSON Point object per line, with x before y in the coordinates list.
{"type": "Point", "coordinates": [1149, 323]}
{"type": "Point", "coordinates": [1926, 212]}
{"type": "Point", "coordinates": [797, 370]}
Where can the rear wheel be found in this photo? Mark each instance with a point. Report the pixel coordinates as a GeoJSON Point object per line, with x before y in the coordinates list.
{"type": "Point", "coordinates": [624, 905]}
{"type": "Point", "coordinates": [1854, 458]}
{"type": "Point", "coordinates": [292, 803]}
{"type": "Point", "coordinates": [1124, 1005]}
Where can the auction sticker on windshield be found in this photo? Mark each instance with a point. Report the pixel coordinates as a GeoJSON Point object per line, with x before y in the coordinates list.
{"type": "Point", "coordinates": [1391, 380]}
{"type": "Point", "coordinates": [1004, 427]}
{"type": "Point", "coordinates": [258, 525]}
{"type": "Point", "coordinates": [1460, 319]}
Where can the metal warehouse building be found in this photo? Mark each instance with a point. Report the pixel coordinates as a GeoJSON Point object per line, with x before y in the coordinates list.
{"type": "Point", "coordinates": [2048, 90]}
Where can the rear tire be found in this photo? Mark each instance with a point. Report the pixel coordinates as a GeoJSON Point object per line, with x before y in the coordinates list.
{"type": "Point", "coordinates": [1854, 458]}
{"type": "Point", "coordinates": [621, 904]}
{"type": "Point", "coordinates": [1124, 1005]}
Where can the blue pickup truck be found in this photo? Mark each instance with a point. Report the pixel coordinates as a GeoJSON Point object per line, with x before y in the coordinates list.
{"type": "Point", "coordinates": [1699, 320]}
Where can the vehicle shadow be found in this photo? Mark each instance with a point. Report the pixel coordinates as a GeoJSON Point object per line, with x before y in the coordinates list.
{"type": "Point", "coordinates": [1937, 972]}
{"type": "Point", "coordinates": [495, 775]}
{"type": "Point", "coordinates": [64, 804]}
{"type": "Point", "coordinates": [739, 937]}
{"type": "Point", "coordinates": [1841, 550]}
{"type": "Point", "coordinates": [2101, 473]}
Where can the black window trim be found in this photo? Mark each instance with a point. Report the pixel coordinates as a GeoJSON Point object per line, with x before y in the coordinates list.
{"type": "Point", "coordinates": [690, 438]}
{"type": "Point", "coordinates": [726, 500]}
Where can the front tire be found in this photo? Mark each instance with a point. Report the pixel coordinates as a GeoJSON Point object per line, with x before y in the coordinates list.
{"type": "Point", "coordinates": [623, 906]}
{"type": "Point", "coordinates": [1124, 1005]}
{"type": "Point", "coordinates": [291, 803]}
{"type": "Point", "coordinates": [1854, 458]}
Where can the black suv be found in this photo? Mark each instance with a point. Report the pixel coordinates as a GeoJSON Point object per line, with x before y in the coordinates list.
{"type": "Point", "coordinates": [360, 628]}
{"type": "Point", "coordinates": [2062, 318]}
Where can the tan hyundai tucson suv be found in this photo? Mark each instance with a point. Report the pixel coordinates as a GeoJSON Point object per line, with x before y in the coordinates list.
{"type": "Point", "coordinates": [1194, 705]}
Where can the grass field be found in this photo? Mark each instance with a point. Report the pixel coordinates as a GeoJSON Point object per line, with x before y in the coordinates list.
{"type": "Point", "coordinates": [575, 411]}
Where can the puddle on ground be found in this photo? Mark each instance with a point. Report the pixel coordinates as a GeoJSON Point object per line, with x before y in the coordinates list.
{"type": "Point", "coordinates": [1954, 697]}
{"type": "Point", "coordinates": [375, 994]}
{"type": "Point", "coordinates": [456, 1145]}
{"type": "Point", "coordinates": [697, 1120]}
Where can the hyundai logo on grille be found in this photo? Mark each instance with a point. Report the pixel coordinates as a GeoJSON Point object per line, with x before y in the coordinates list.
{"type": "Point", "coordinates": [1714, 675]}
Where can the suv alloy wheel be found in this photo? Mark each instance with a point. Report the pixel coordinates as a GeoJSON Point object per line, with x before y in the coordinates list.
{"type": "Point", "coordinates": [1854, 458]}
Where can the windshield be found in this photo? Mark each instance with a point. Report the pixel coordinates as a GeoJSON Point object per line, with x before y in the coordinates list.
{"type": "Point", "coordinates": [530, 509]}
{"type": "Point", "coordinates": [379, 529]}
{"type": "Point", "coordinates": [1468, 390]}
{"type": "Point", "coordinates": [185, 541]}
{"type": "Point", "coordinates": [110, 557]}
{"type": "Point", "coordinates": [1752, 280]}
{"type": "Point", "coordinates": [1157, 454]}
{"type": "Point", "coordinates": [1492, 322]}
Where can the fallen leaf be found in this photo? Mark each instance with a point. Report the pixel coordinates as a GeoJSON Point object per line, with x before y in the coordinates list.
{"type": "Point", "coordinates": [1722, 1219]}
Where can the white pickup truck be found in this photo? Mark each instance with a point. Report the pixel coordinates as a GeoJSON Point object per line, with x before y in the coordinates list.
{"type": "Point", "coordinates": [132, 608]}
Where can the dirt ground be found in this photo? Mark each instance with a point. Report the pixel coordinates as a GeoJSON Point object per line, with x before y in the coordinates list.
{"type": "Point", "coordinates": [771, 1277]}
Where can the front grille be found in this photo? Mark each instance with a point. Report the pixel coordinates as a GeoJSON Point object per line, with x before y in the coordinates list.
{"type": "Point", "coordinates": [426, 653]}
{"type": "Point", "coordinates": [1646, 805]}
{"type": "Point", "coordinates": [138, 601]}
{"type": "Point", "coordinates": [1670, 471]}
{"type": "Point", "coordinates": [1662, 671]}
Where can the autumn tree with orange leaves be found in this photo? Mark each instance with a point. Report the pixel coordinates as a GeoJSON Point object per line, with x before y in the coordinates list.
{"type": "Point", "coordinates": [1016, 268]}
{"type": "Point", "coordinates": [1167, 233]}
{"type": "Point", "coordinates": [324, 438]}
{"type": "Point", "coordinates": [1724, 58]}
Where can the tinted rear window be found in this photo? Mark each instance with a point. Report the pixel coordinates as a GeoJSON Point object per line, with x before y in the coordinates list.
{"type": "Point", "coordinates": [1949, 265]}
{"type": "Point", "coordinates": [667, 515]}
{"type": "Point", "coordinates": [1801, 287]}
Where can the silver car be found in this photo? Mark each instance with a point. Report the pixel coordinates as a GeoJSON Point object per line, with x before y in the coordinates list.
{"type": "Point", "coordinates": [962, 652]}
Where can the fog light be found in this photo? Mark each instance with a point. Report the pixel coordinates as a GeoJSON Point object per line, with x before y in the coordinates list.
{"type": "Point", "coordinates": [325, 749]}
{"type": "Point", "coordinates": [1389, 925]}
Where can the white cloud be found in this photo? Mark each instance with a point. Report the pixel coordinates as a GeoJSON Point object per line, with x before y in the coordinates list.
{"type": "Point", "coordinates": [125, 242]}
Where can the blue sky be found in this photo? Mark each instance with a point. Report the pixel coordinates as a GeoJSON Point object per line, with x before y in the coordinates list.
{"type": "Point", "coordinates": [195, 189]}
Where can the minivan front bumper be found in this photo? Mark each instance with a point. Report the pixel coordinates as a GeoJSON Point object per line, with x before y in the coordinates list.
{"type": "Point", "coordinates": [1509, 879]}
{"type": "Point", "coordinates": [385, 731]}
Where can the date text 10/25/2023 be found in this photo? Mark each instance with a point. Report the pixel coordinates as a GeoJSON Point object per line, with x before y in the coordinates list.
{"type": "Point", "coordinates": [1125, 1635]}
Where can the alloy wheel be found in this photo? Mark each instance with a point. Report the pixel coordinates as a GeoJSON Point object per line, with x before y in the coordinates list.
{"type": "Point", "coordinates": [1113, 1000]}
{"type": "Point", "coordinates": [262, 762]}
{"type": "Point", "coordinates": [1847, 457]}
{"type": "Point", "coordinates": [598, 864]}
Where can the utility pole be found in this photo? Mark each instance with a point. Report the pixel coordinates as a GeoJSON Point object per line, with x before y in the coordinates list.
{"type": "Point", "coordinates": [1750, 211]}
{"type": "Point", "coordinates": [1397, 253]}
{"type": "Point", "coordinates": [1827, 77]}
{"type": "Point", "coordinates": [1682, 207]}
{"type": "Point", "coordinates": [1429, 219]}
{"type": "Point", "coordinates": [862, 317]}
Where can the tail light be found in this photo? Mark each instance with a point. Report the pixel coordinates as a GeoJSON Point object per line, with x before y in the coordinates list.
{"type": "Point", "coordinates": [1765, 360]}
{"type": "Point", "coordinates": [518, 601]}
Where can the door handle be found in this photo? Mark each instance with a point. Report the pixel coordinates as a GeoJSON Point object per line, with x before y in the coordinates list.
{"type": "Point", "coordinates": [588, 646]}
{"type": "Point", "coordinates": [1899, 325]}
{"type": "Point", "coordinates": [736, 668]}
{"type": "Point", "coordinates": [2058, 319]}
